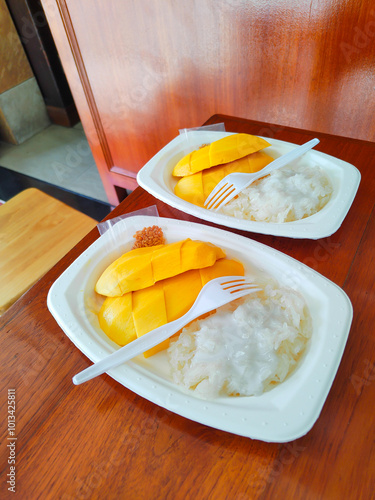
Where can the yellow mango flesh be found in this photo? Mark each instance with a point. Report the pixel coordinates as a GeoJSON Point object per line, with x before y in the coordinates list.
{"type": "Point", "coordinates": [200, 159]}
{"type": "Point", "coordinates": [171, 299]}
{"type": "Point", "coordinates": [183, 166]}
{"type": "Point", "coordinates": [195, 188]}
{"type": "Point", "coordinates": [190, 188]}
{"type": "Point", "coordinates": [142, 267]}
{"type": "Point", "coordinates": [116, 319]}
{"type": "Point", "coordinates": [235, 146]}
{"type": "Point", "coordinates": [131, 270]}
{"type": "Point", "coordinates": [225, 150]}
{"type": "Point", "coordinates": [222, 267]}
{"type": "Point", "coordinates": [139, 312]}
{"type": "Point", "coordinates": [149, 310]}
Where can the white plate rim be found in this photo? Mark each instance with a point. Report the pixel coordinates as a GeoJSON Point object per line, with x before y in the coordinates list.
{"type": "Point", "coordinates": [265, 417]}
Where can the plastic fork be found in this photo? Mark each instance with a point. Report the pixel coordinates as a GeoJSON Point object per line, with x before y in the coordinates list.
{"type": "Point", "coordinates": [214, 294]}
{"type": "Point", "coordinates": [232, 184]}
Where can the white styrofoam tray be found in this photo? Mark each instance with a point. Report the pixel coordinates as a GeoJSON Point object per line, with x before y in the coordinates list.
{"type": "Point", "coordinates": [286, 412]}
{"type": "Point", "coordinates": [156, 178]}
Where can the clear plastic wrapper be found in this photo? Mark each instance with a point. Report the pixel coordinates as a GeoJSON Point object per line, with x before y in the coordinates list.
{"type": "Point", "coordinates": [115, 232]}
{"type": "Point", "coordinates": [190, 145]}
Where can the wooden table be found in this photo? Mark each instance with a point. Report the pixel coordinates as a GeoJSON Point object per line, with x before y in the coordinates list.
{"type": "Point", "coordinates": [36, 230]}
{"type": "Point", "coordinates": [100, 440]}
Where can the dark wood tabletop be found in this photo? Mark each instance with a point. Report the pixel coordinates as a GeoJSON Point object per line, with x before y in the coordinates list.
{"type": "Point", "coordinates": [100, 440]}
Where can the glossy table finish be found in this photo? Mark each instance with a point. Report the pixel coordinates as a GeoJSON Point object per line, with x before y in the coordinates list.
{"type": "Point", "coordinates": [99, 440]}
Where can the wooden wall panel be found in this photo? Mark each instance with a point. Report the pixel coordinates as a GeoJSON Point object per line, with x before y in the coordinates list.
{"type": "Point", "coordinates": [148, 68]}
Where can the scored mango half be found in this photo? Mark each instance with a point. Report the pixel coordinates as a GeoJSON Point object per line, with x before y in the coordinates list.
{"type": "Point", "coordinates": [225, 150]}
{"type": "Point", "coordinates": [128, 317]}
{"type": "Point", "coordinates": [142, 267]}
{"type": "Point", "coordinates": [195, 188]}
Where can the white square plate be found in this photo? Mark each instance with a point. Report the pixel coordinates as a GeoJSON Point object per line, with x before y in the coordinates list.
{"type": "Point", "coordinates": [156, 178]}
{"type": "Point", "coordinates": [286, 412]}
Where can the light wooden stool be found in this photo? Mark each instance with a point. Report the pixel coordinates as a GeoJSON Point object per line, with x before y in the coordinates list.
{"type": "Point", "coordinates": [36, 231]}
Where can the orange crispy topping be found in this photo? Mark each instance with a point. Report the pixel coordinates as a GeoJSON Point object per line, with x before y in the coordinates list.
{"type": "Point", "coordinates": [149, 237]}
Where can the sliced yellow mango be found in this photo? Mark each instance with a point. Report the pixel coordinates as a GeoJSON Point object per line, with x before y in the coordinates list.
{"type": "Point", "coordinates": [225, 150]}
{"type": "Point", "coordinates": [235, 146]}
{"type": "Point", "coordinates": [167, 261]}
{"type": "Point", "coordinates": [180, 293]}
{"type": "Point", "coordinates": [195, 188]}
{"type": "Point", "coordinates": [131, 270]}
{"type": "Point", "coordinates": [222, 267]}
{"type": "Point", "coordinates": [116, 319]}
{"type": "Point", "coordinates": [142, 267]}
{"type": "Point", "coordinates": [190, 188]}
{"type": "Point", "coordinates": [183, 166]}
{"type": "Point", "coordinates": [149, 310]}
{"type": "Point", "coordinates": [198, 254]}
{"type": "Point", "coordinates": [199, 160]}
{"type": "Point", "coordinates": [137, 313]}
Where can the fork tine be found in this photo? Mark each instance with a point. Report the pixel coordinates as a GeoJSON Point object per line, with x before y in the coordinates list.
{"type": "Point", "coordinates": [246, 289]}
{"type": "Point", "coordinates": [214, 192]}
{"type": "Point", "coordinates": [226, 199]}
{"type": "Point", "coordinates": [232, 279]}
{"type": "Point", "coordinates": [222, 194]}
{"type": "Point", "coordinates": [239, 286]}
{"type": "Point", "coordinates": [241, 292]}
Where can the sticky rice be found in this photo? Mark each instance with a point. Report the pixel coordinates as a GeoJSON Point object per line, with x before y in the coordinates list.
{"type": "Point", "coordinates": [245, 348]}
{"type": "Point", "coordinates": [289, 194]}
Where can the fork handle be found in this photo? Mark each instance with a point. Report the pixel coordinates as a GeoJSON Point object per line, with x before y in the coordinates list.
{"type": "Point", "coordinates": [133, 349]}
{"type": "Point", "coordinates": [146, 341]}
{"type": "Point", "coordinates": [274, 165]}
{"type": "Point", "coordinates": [288, 157]}
{"type": "Point", "coordinates": [203, 304]}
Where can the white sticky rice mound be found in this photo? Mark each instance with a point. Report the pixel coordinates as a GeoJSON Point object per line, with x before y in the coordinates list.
{"type": "Point", "coordinates": [285, 195]}
{"type": "Point", "coordinates": [245, 348]}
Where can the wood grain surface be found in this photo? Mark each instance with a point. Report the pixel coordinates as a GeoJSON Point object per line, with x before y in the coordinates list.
{"type": "Point", "coordinates": [100, 440]}
{"type": "Point", "coordinates": [36, 231]}
{"type": "Point", "coordinates": [140, 71]}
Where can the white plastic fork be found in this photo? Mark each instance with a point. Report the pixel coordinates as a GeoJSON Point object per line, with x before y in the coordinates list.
{"type": "Point", "coordinates": [215, 293]}
{"type": "Point", "coordinates": [232, 184]}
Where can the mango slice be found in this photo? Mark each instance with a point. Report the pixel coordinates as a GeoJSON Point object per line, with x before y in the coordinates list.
{"type": "Point", "coordinates": [183, 166]}
{"type": "Point", "coordinates": [195, 188]}
{"type": "Point", "coordinates": [142, 267]}
{"type": "Point", "coordinates": [116, 319]}
{"type": "Point", "coordinates": [136, 313]}
{"type": "Point", "coordinates": [234, 147]}
{"type": "Point", "coordinates": [200, 159]}
{"type": "Point", "coordinates": [224, 150]}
